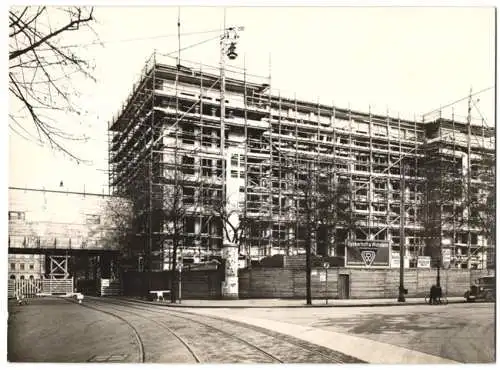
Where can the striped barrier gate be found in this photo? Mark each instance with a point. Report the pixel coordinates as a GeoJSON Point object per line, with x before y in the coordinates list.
{"type": "Point", "coordinates": [30, 288]}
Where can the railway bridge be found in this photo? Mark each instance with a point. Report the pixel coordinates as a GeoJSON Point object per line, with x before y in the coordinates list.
{"type": "Point", "coordinates": [61, 240]}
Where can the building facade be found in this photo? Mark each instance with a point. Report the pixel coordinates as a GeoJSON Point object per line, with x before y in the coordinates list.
{"type": "Point", "coordinates": [26, 266]}
{"type": "Point", "coordinates": [275, 165]}
{"type": "Point", "coordinates": [52, 232]}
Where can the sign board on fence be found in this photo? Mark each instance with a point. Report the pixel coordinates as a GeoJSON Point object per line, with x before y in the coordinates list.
{"type": "Point", "coordinates": [395, 262]}
{"type": "Point", "coordinates": [105, 283]}
{"type": "Point", "coordinates": [367, 254]}
{"type": "Point", "coordinates": [446, 255]}
{"type": "Point", "coordinates": [322, 276]}
{"type": "Point", "coordinates": [424, 262]}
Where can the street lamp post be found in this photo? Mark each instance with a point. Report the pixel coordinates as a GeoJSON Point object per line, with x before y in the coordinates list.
{"type": "Point", "coordinates": [438, 276]}
{"type": "Point", "coordinates": [180, 281]}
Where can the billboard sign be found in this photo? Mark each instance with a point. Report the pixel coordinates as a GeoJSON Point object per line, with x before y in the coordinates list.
{"type": "Point", "coordinates": [367, 254]}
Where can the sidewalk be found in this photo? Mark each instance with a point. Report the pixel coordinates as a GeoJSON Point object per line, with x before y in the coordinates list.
{"type": "Point", "coordinates": [299, 303]}
{"type": "Point", "coordinates": [364, 349]}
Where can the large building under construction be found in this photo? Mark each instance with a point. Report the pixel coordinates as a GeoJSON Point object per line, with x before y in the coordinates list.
{"type": "Point", "coordinates": [275, 174]}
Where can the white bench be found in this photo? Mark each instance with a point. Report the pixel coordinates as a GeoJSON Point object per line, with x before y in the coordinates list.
{"type": "Point", "coordinates": [159, 294]}
{"type": "Point", "coordinates": [79, 297]}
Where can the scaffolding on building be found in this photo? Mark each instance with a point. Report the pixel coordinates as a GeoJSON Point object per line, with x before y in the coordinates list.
{"type": "Point", "coordinates": [165, 147]}
{"type": "Point", "coordinates": [460, 163]}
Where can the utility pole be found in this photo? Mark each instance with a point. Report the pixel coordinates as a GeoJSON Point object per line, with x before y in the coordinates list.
{"type": "Point", "coordinates": [223, 42]}
{"type": "Point", "coordinates": [227, 49]}
{"type": "Point", "coordinates": [402, 244]}
{"type": "Point", "coordinates": [150, 214]}
{"type": "Point", "coordinates": [468, 195]}
{"type": "Point", "coordinates": [229, 249]}
{"type": "Point", "coordinates": [439, 262]}
{"type": "Point", "coordinates": [326, 265]}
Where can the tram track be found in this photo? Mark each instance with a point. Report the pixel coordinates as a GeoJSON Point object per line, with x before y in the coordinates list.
{"type": "Point", "coordinates": [289, 349]}
{"type": "Point", "coordinates": [138, 337]}
{"type": "Point", "coordinates": [270, 356]}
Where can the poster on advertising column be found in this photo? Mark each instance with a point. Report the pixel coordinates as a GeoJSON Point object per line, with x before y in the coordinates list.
{"type": "Point", "coordinates": [367, 255]}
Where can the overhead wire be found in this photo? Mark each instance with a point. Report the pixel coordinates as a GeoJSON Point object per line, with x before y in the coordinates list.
{"type": "Point", "coordinates": [480, 113]}
{"type": "Point", "coordinates": [135, 39]}
{"type": "Point", "coordinates": [190, 46]}
{"type": "Point", "coordinates": [458, 101]}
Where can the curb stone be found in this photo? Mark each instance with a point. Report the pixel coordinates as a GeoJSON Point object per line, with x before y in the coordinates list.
{"type": "Point", "coordinates": [388, 304]}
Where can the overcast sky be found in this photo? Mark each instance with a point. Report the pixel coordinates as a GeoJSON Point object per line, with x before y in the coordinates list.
{"type": "Point", "coordinates": [407, 60]}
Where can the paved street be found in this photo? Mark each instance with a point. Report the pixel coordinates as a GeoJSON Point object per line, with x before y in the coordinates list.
{"type": "Point", "coordinates": [109, 330]}
{"type": "Point", "coordinates": [57, 330]}
{"type": "Point", "coordinates": [460, 332]}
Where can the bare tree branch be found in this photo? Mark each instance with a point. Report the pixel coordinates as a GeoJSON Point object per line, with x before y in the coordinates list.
{"type": "Point", "coordinates": [17, 19]}
{"type": "Point", "coordinates": [40, 77]}
{"type": "Point", "coordinates": [72, 25]}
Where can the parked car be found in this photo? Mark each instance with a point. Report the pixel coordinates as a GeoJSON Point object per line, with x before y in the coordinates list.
{"type": "Point", "coordinates": [484, 288]}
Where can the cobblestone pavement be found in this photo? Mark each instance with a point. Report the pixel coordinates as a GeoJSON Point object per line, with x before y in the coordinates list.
{"type": "Point", "coordinates": [460, 332]}
{"type": "Point", "coordinates": [194, 338]}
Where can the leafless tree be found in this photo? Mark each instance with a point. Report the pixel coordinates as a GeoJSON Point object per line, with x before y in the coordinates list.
{"type": "Point", "coordinates": [174, 201]}
{"type": "Point", "coordinates": [481, 199]}
{"type": "Point", "coordinates": [172, 213]}
{"type": "Point", "coordinates": [456, 203]}
{"type": "Point", "coordinates": [323, 203]}
{"type": "Point", "coordinates": [119, 223]}
{"type": "Point", "coordinates": [234, 223]}
{"type": "Point", "coordinates": [41, 70]}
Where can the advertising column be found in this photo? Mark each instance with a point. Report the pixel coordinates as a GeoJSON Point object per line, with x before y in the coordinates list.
{"type": "Point", "coordinates": [230, 283]}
